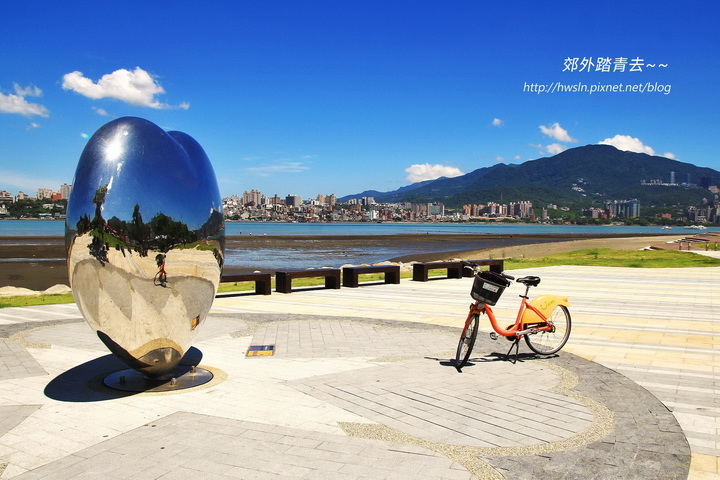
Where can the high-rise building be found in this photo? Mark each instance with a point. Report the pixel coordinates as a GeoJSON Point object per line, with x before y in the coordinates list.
{"type": "Point", "coordinates": [672, 178]}
{"type": "Point", "coordinates": [65, 190]}
{"type": "Point", "coordinates": [293, 201]}
{"type": "Point", "coordinates": [623, 208]}
{"type": "Point", "coordinates": [520, 209]}
{"type": "Point", "coordinates": [497, 209]}
{"type": "Point", "coordinates": [253, 197]}
{"type": "Point", "coordinates": [43, 193]}
{"type": "Point", "coordinates": [436, 209]}
{"type": "Point", "coordinates": [419, 209]}
{"type": "Point", "coordinates": [331, 199]}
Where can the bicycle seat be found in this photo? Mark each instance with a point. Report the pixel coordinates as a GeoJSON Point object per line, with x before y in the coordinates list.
{"type": "Point", "coordinates": [529, 281]}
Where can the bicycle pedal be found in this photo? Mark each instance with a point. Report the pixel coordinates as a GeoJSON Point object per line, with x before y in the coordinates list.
{"type": "Point", "coordinates": [494, 336]}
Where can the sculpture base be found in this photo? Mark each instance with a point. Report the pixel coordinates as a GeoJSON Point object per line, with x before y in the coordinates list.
{"type": "Point", "coordinates": [180, 378]}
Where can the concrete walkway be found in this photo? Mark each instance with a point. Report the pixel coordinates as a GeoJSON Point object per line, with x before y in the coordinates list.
{"type": "Point", "coordinates": [362, 386]}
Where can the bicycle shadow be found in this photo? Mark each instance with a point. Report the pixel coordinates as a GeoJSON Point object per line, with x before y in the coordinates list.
{"type": "Point", "coordinates": [494, 357]}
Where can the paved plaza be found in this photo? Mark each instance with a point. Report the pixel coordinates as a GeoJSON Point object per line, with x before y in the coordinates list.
{"type": "Point", "coordinates": [361, 385]}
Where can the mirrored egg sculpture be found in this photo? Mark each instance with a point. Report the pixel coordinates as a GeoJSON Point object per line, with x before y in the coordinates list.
{"type": "Point", "coordinates": [145, 240]}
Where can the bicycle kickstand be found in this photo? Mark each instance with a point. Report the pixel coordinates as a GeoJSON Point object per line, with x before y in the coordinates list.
{"type": "Point", "coordinates": [515, 345]}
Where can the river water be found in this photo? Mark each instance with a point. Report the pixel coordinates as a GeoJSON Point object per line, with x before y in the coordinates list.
{"type": "Point", "coordinates": [57, 228]}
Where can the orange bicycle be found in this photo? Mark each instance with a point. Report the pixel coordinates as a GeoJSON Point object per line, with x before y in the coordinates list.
{"type": "Point", "coordinates": [544, 323]}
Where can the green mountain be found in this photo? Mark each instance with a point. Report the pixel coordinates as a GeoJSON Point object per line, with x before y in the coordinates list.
{"type": "Point", "coordinates": [581, 176]}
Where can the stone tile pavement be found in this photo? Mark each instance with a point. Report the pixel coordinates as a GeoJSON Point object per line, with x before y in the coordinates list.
{"type": "Point", "coordinates": [361, 386]}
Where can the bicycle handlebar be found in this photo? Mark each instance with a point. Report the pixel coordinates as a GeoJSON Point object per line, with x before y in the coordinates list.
{"type": "Point", "coordinates": [474, 266]}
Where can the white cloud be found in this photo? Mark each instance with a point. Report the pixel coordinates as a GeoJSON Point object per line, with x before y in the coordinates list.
{"type": "Point", "coordinates": [136, 88]}
{"type": "Point", "coordinates": [16, 103]}
{"type": "Point", "coordinates": [628, 143]}
{"type": "Point", "coordinates": [552, 149]}
{"type": "Point", "coordinates": [420, 173]}
{"type": "Point", "coordinates": [634, 144]}
{"type": "Point", "coordinates": [101, 111]}
{"type": "Point", "coordinates": [29, 91]}
{"type": "Point", "coordinates": [497, 122]}
{"type": "Point", "coordinates": [555, 148]}
{"type": "Point", "coordinates": [517, 157]}
{"type": "Point", "coordinates": [557, 132]}
{"type": "Point", "coordinates": [25, 183]}
{"type": "Point", "coordinates": [33, 125]}
{"type": "Point", "coordinates": [281, 167]}
{"type": "Point", "coordinates": [499, 159]}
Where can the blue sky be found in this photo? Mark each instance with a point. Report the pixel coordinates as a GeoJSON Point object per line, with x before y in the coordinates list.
{"type": "Point", "coordinates": [308, 97]}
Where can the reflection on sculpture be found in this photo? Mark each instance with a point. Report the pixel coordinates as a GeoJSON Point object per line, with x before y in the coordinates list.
{"type": "Point", "coordinates": [144, 286]}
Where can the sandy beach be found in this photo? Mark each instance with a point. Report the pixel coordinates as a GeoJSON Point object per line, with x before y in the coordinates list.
{"type": "Point", "coordinates": [534, 250]}
{"type": "Point", "coordinates": [38, 263]}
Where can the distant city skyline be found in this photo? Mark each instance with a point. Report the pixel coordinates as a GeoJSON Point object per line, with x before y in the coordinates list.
{"type": "Point", "coordinates": [290, 97]}
{"type": "Point", "coordinates": [65, 189]}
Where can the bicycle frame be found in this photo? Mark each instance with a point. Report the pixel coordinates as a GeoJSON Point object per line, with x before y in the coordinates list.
{"type": "Point", "coordinates": [515, 329]}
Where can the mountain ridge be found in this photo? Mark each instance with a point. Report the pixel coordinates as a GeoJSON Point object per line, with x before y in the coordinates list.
{"type": "Point", "coordinates": [582, 175]}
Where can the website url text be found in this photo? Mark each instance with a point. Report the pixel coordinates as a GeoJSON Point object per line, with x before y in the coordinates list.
{"type": "Point", "coordinates": [592, 88]}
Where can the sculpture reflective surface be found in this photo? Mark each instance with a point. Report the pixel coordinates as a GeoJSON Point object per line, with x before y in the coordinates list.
{"type": "Point", "coordinates": [145, 241]}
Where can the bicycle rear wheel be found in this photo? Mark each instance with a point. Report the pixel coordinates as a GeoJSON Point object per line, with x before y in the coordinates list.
{"type": "Point", "coordinates": [467, 342]}
{"type": "Point", "coordinates": [547, 342]}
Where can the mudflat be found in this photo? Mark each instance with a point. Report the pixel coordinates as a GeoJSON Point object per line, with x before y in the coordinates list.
{"type": "Point", "coordinates": [38, 263]}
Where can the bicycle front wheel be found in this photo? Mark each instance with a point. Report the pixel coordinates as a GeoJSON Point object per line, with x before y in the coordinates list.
{"type": "Point", "coordinates": [467, 342]}
{"type": "Point", "coordinates": [547, 342]}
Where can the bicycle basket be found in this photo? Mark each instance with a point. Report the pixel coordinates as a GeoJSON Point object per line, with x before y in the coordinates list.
{"type": "Point", "coordinates": [488, 287]}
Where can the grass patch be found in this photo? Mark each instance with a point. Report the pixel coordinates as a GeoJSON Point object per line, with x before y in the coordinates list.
{"type": "Point", "coordinates": [598, 257]}
{"type": "Point", "coordinates": [302, 282]}
{"type": "Point", "coordinates": [27, 301]}
{"type": "Point", "coordinates": [606, 257]}
{"type": "Point", "coordinates": [237, 287]}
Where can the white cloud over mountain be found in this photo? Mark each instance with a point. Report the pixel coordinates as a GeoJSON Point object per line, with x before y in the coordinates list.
{"type": "Point", "coordinates": [555, 148]}
{"type": "Point", "coordinates": [633, 144]}
{"type": "Point", "coordinates": [557, 132]}
{"type": "Point", "coordinates": [426, 171]}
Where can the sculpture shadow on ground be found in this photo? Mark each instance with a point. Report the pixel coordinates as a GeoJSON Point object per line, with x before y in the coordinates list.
{"type": "Point", "coordinates": [84, 383]}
